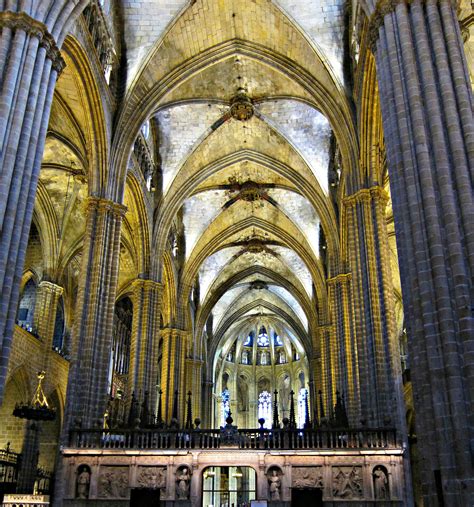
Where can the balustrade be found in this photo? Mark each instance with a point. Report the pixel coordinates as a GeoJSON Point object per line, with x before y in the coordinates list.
{"type": "Point", "coordinates": [101, 39]}
{"type": "Point", "coordinates": [251, 439]}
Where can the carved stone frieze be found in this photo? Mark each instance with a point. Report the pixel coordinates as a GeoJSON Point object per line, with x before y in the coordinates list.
{"type": "Point", "coordinates": [347, 482]}
{"type": "Point", "coordinates": [307, 477]}
{"type": "Point", "coordinates": [113, 482]}
{"type": "Point", "coordinates": [151, 477]}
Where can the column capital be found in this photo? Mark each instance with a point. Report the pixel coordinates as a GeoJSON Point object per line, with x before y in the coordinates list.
{"type": "Point", "coordinates": [144, 283]}
{"type": "Point", "coordinates": [34, 28]}
{"type": "Point", "coordinates": [51, 287]}
{"type": "Point", "coordinates": [375, 193]}
{"type": "Point", "coordinates": [104, 205]}
{"type": "Point", "coordinates": [341, 278]}
{"type": "Point", "coordinates": [173, 331]}
{"type": "Point", "coordinates": [384, 7]}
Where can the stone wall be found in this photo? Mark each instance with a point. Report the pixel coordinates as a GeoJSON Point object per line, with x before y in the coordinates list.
{"type": "Point", "coordinates": [355, 477]}
{"type": "Point", "coordinates": [25, 362]}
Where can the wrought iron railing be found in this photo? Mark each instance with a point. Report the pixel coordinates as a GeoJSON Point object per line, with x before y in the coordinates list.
{"type": "Point", "coordinates": [9, 462]}
{"type": "Point", "coordinates": [251, 439]}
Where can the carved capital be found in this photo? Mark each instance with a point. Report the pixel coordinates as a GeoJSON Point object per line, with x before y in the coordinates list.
{"type": "Point", "coordinates": [341, 278]}
{"type": "Point", "coordinates": [366, 195]}
{"type": "Point", "coordinates": [34, 28]}
{"type": "Point", "coordinates": [51, 287]}
{"type": "Point", "coordinates": [105, 205]}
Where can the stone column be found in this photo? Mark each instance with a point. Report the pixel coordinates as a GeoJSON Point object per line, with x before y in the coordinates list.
{"type": "Point", "coordinates": [327, 374]}
{"type": "Point", "coordinates": [47, 298]}
{"type": "Point", "coordinates": [30, 62]}
{"type": "Point", "coordinates": [344, 350]}
{"type": "Point", "coordinates": [29, 458]}
{"type": "Point", "coordinates": [145, 339]}
{"type": "Point", "coordinates": [92, 334]}
{"type": "Point", "coordinates": [207, 401]}
{"type": "Point", "coordinates": [194, 384]}
{"type": "Point", "coordinates": [174, 341]}
{"type": "Point", "coordinates": [381, 397]}
{"type": "Point", "coordinates": [427, 111]}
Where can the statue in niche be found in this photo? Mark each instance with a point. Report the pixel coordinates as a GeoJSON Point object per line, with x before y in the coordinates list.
{"type": "Point", "coordinates": [263, 358]}
{"type": "Point", "coordinates": [83, 482]}
{"type": "Point", "coordinates": [347, 483]}
{"type": "Point", "coordinates": [274, 485]}
{"type": "Point", "coordinates": [242, 394]}
{"type": "Point", "coordinates": [183, 479]}
{"type": "Point", "coordinates": [380, 484]}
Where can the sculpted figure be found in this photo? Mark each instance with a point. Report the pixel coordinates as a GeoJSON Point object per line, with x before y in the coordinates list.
{"type": "Point", "coordinates": [275, 485]}
{"type": "Point", "coordinates": [83, 482]}
{"type": "Point", "coordinates": [380, 484]}
{"type": "Point", "coordinates": [183, 478]}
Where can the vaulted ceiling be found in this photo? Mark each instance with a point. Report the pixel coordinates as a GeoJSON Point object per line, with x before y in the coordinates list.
{"type": "Point", "coordinates": [248, 103]}
{"type": "Point", "coordinates": [248, 99]}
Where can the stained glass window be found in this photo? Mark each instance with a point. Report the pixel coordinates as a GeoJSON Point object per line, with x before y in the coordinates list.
{"type": "Point", "coordinates": [277, 340]}
{"type": "Point", "coordinates": [265, 408]}
{"type": "Point", "coordinates": [262, 340]}
{"type": "Point", "coordinates": [249, 341]}
{"type": "Point", "coordinates": [302, 407]}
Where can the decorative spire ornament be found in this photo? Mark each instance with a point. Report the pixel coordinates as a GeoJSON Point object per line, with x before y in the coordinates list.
{"type": "Point", "coordinates": [292, 410]}
{"type": "Point", "coordinates": [189, 416]}
{"type": "Point", "coordinates": [276, 419]}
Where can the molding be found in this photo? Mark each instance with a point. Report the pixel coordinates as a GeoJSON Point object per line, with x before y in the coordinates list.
{"type": "Point", "coordinates": [34, 28]}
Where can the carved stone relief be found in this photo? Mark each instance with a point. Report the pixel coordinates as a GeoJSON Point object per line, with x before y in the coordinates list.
{"type": "Point", "coordinates": [113, 482]}
{"type": "Point", "coordinates": [151, 477]}
{"type": "Point", "coordinates": [307, 477]}
{"type": "Point", "coordinates": [347, 482]}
